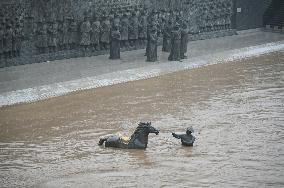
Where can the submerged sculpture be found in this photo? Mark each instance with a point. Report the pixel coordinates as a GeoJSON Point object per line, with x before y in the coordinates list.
{"type": "Point", "coordinates": [138, 140]}
{"type": "Point", "coordinates": [186, 139]}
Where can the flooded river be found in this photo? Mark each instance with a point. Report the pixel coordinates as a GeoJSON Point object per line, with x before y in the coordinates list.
{"type": "Point", "coordinates": [237, 110]}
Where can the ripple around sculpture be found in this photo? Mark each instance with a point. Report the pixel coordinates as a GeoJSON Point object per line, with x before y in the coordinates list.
{"type": "Point", "coordinates": [236, 110]}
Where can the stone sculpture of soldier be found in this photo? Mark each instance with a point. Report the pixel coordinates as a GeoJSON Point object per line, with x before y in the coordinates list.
{"type": "Point", "coordinates": [228, 15]}
{"type": "Point", "coordinates": [223, 19]}
{"type": "Point", "coordinates": [152, 43]}
{"type": "Point", "coordinates": [52, 35]}
{"type": "Point", "coordinates": [41, 36]}
{"type": "Point", "coordinates": [184, 40]}
{"type": "Point", "coordinates": [105, 33]}
{"type": "Point", "coordinates": [115, 43]}
{"type": "Point", "coordinates": [175, 43]}
{"type": "Point", "coordinates": [167, 36]}
{"type": "Point", "coordinates": [124, 30]}
{"type": "Point", "coordinates": [96, 30]}
{"type": "Point", "coordinates": [72, 33]}
{"type": "Point", "coordinates": [2, 25]}
{"type": "Point", "coordinates": [111, 17]}
{"type": "Point", "coordinates": [85, 31]}
{"type": "Point", "coordinates": [17, 39]}
{"type": "Point", "coordinates": [60, 34]}
{"type": "Point", "coordinates": [133, 29]}
{"type": "Point", "coordinates": [65, 27]}
{"type": "Point", "coordinates": [161, 23]}
{"type": "Point", "coordinates": [116, 19]}
{"type": "Point", "coordinates": [142, 28]}
{"type": "Point", "coordinates": [8, 39]}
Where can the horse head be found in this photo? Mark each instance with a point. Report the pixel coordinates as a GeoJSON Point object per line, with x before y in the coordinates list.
{"type": "Point", "coordinates": [148, 128]}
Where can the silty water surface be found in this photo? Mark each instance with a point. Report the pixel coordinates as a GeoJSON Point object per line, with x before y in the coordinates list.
{"type": "Point", "coordinates": [237, 110]}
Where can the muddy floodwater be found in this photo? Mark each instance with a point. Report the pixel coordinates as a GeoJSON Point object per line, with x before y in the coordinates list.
{"type": "Point", "coordinates": [236, 109]}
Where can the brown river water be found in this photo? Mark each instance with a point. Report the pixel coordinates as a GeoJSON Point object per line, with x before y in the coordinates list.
{"type": "Point", "coordinates": [236, 109]}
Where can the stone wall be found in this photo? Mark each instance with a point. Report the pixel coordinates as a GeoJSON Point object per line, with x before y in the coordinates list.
{"type": "Point", "coordinates": [33, 31]}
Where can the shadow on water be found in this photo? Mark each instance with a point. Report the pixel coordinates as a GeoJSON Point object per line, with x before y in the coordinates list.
{"type": "Point", "coordinates": [235, 108]}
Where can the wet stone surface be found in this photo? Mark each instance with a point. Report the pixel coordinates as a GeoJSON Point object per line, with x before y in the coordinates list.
{"type": "Point", "coordinates": [236, 110]}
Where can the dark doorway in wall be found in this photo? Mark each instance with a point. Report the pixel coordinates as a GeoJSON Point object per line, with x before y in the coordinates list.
{"type": "Point", "coordinates": [248, 14]}
{"type": "Point", "coordinates": [274, 14]}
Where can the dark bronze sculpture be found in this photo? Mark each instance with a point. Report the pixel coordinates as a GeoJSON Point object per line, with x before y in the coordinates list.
{"type": "Point", "coordinates": [175, 43]}
{"type": "Point", "coordinates": [167, 36]}
{"type": "Point", "coordinates": [115, 43]}
{"type": "Point", "coordinates": [151, 51]}
{"type": "Point", "coordinates": [138, 140]}
{"type": "Point", "coordinates": [186, 139]}
{"type": "Point", "coordinates": [184, 40]}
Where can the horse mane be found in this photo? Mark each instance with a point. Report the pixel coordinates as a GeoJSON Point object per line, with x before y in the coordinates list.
{"type": "Point", "coordinates": [137, 132]}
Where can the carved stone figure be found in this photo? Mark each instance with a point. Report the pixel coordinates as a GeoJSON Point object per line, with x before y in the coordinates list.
{"type": "Point", "coordinates": [133, 29]}
{"type": "Point", "coordinates": [105, 33]}
{"type": "Point", "coordinates": [228, 14]}
{"type": "Point", "coordinates": [63, 34]}
{"type": "Point", "coordinates": [175, 43]}
{"type": "Point", "coordinates": [116, 20]}
{"type": "Point", "coordinates": [186, 139]}
{"type": "Point", "coordinates": [66, 32]}
{"type": "Point", "coordinates": [138, 140]}
{"type": "Point", "coordinates": [65, 27]}
{"type": "Point", "coordinates": [2, 25]}
{"type": "Point", "coordinates": [85, 30]}
{"type": "Point", "coordinates": [96, 30]}
{"type": "Point", "coordinates": [17, 39]}
{"type": "Point", "coordinates": [72, 33]}
{"type": "Point", "coordinates": [124, 30]}
{"type": "Point", "coordinates": [142, 28]}
{"type": "Point", "coordinates": [115, 43]}
{"type": "Point", "coordinates": [8, 40]}
{"type": "Point", "coordinates": [52, 35]}
{"type": "Point", "coordinates": [152, 41]}
{"type": "Point", "coordinates": [60, 35]}
{"type": "Point", "coordinates": [167, 37]}
{"type": "Point", "coordinates": [184, 40]}
{"type": "Point", "coordinates": [41, 37]}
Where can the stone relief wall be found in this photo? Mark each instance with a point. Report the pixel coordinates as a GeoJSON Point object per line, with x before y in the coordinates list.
{"type": "Point", "coordinates": [34, 31]}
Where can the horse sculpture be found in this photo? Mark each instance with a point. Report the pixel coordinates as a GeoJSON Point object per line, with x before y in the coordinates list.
{"type": "Point", "coordinates": [138, 140]}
